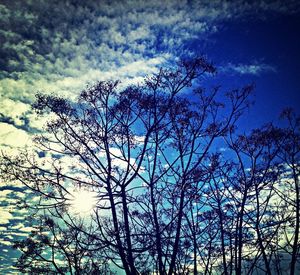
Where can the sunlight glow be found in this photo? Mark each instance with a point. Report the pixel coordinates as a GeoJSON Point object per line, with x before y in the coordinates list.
{"type": "Point", "coordinates": [82, 202]}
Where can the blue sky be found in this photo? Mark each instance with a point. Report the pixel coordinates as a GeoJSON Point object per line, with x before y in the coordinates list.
{"type": "Point", "coordinates": [61, 46]}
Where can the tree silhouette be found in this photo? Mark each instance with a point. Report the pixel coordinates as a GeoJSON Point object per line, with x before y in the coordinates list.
{"type": "Point", "coordinates": [167, 200]}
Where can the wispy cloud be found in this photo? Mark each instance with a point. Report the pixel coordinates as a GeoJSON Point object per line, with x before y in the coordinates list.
{"type": "Point", "coordinates": [48, 45]}
{"type": "Point", "coordinates": [254, 68]}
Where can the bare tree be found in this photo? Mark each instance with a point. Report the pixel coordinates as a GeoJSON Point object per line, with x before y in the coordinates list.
{"type": "Point", "coordinates": [146, 154]}
{"type": "Point", "coordinates": [251, 187]}
{"type": "Point", "coordinates": [290, 153]}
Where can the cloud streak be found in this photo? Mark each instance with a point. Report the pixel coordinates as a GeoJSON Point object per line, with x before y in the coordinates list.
{"type": "Point", "coordinates": [254, 68]}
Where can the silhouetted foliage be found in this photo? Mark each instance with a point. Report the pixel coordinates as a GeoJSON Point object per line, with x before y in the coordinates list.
{"type": "Point", "coordinates": [169, 201]}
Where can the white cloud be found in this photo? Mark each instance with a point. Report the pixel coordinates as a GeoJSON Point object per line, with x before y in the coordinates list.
{"type": "Point", "coordinates": [26, 229]}
{"type": "Point", "coordinates": [4, 193]}
{"type": "Point", "coordinates": [5, 242]}
{"type": "Point", "coordinates": [13, 137]}
{"type": "Point", "coordinates": [5, 216]}
{"type": "Point", "coordinates": [14, 109]}
{"type": "Point", "coordinates": [254, 68]}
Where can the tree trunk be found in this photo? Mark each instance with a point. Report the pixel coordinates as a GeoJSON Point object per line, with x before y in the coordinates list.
{"type": "Point", "coordinates": [127, 232]}
{"type": "Point", "coordinates": [178, 230]}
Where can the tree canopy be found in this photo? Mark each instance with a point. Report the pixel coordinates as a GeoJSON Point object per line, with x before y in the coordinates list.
{"type": "Point", "coordinates": [176, 188]}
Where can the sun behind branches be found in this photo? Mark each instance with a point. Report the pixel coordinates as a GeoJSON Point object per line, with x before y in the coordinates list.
{"type": "Point", "coordinates": [82, 202]}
